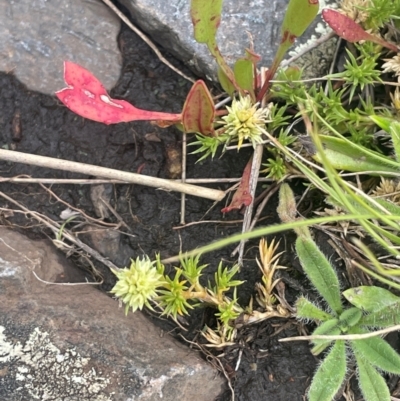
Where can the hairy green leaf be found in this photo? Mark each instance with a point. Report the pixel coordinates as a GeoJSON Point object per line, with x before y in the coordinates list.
{"type": "Point", "coordinates": [395, 134]}
{"type": "Point", "coordinates": [330, 374]}
{"type": "Point", "coordinates": [320, 272]}
{"type": "Point", "coordinates": [372, 384]}
{"type": "Point", "coordinates": [330, 327]}
{"type": "Point", "coordinates": [349, 318]}
{"type": "Point", "coordinates": [387, 317]}
{"type": "Point", "coordinates": [345, 155]}
{"type": "Point", "coordinates": [377, 352]}
{"type": "Point", "coordinates": [305, 309]}
{"type": "Point", "coordinates": [371, 298]}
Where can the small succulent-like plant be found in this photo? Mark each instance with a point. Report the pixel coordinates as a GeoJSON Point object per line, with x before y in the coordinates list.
{"type": "Point", "coordinates": [137, 285]}
{"type": "Point", "coordinates": [145, 283]}
{"type": "Point", "coordinates": [245, 120]}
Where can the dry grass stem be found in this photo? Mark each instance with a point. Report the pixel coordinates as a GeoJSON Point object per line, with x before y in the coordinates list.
{"type": "Point", "coordinates": [89, 169]}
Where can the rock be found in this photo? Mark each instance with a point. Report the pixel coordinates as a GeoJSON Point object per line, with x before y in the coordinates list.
{"type": "Point", "coordinates": [169, 24]}
{"type": "Point", "coordinates": [37, 36]}
{"type": "Point", "coordinates": [107, 241]}
{"type": "Point", "coordinates": [73, 343]}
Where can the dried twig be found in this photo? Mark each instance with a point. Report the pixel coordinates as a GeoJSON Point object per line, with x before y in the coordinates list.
{"type": "Point", "coordinates": [88, 181]}
{"type": "Point", "coordinates": [55, 227]}
{"type": "Point", "coordinates": [255, 171]}
{"type": "Point", "coordinates": [347, 337]}
{"type": "Point", "coordinates": [89, 169]}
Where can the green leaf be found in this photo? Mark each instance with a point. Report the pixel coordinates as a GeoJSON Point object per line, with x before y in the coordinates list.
{"type": "Point", "coordinates": [395, 134]}
{"type": "Point", "coordinates": [330, 327]}
{"type": "Point", "coordinates": [198, 111]}
{"type": "Point", "coordinates": [244, 75]}
{"type": "Point", "coordinates": [386, 317]}
{"type": "Point", "coordinates": [377, 352]}
{"type": "Point", "coordinates": [372, 384]}
{"type": "Point", "coordinates": [345, 155]}
{"type": "Point", "coordinates": [349, 318]}
{"type": "Point", "coordinates": [299, 15]}
{"type": "Point", "coordinates": [225, 82]}
{"type": "Point", "coordinates": [320, 272]}
{"type": "Point", "coordinates": [307, 310]}
{"type": "Point", "coordinates": [206, 17]}
{"type": "Point", "coordinates": [371, 298]}
{"type": "Point", "coordinates": [330, 374]}
{"type": "Point", "coordinates": [382, 122]}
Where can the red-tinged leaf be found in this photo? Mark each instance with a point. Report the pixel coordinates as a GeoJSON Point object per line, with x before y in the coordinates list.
{"type": "Point", "coordinates": [252, 56]}
{"type": "Point", "coordinates": [349, 30]}
{"type": "Point", "coordinates": [206, 17]}
{"type": "Point", "coordinates": [242, 195]}
{"type": "Point", "coordinates": [86, 96]}
{"type": "Point", "coordinates": [299, 15]}
{"type": "Point", "coordinates": [198, 111]}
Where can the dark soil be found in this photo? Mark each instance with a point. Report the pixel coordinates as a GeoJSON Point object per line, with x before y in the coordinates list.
{"type": "Point", "coordinates": [35, 123]}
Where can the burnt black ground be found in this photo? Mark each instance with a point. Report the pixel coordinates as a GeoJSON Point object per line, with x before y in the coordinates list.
{"type": "Point", "coordinates": [39, 124]}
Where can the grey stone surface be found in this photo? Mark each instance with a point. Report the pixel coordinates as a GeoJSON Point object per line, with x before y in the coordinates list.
{"type": "Point", "coordinates": [72, 343]}
{"type": "Point", "coordinates": [36, 36]}
{"type": "Point", "coordinates": [169, 23]}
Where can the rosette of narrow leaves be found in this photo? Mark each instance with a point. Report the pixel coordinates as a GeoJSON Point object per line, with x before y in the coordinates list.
{"type": "Point", "coordinates": [228, 311]}
{"type": "Point", "coordinates": [208, 145]}
{"type": "Point", "coordinates": [373, 307]}
{"type": "Point", "coordinates": [191, 269]}
{"type": "Point", "coordinates": [224, 280]}
{"type": "Point", "coordinates": [360, 71]}
{"type": "Point", "coordinates": [137, 285]}
{"type": "Point", "coordinates": [173, 297]}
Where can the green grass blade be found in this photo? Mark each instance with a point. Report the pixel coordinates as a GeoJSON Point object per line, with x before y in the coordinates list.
{"type": "Point", "coordinates": [264, 231]}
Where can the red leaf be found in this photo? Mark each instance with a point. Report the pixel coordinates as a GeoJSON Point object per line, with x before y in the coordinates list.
{"type": "Point", "coordinates": [198, 112]}
{"type": "Point", "coordinates": [349, 30]}
{"type": "Point", "coordinates": [86, 96]}
{"type": "Point", "coordinates": [242, 195]}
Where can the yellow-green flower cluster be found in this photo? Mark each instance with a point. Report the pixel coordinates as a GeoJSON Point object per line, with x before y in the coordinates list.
{"type": "Point", "coordinates": [137, 285]}
{"type": "Point", "coordinates": [246, 120]}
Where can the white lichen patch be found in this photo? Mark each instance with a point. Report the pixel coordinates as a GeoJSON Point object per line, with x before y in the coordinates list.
{"type": "Point", "coordinates": [45, 373]}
